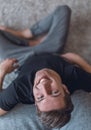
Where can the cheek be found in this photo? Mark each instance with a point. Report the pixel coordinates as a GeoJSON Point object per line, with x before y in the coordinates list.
{"type": "Point", "coordinates": [36, 92]}
{"type": "Point", "coordinates": [56, 84]}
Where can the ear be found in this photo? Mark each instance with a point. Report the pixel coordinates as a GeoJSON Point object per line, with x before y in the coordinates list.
{"type": "Point", "coordinates": [65, 88]}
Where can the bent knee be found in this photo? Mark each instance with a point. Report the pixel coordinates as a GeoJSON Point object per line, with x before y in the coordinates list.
{"type": "Point", "coordinates": [63, 9]}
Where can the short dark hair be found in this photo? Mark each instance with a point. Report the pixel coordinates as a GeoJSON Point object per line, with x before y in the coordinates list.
{"type": "Point", "coordinates": [57, 118]}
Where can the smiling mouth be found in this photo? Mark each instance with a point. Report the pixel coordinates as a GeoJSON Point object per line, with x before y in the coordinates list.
{"type": "Point", "coordinates": [43, 79]}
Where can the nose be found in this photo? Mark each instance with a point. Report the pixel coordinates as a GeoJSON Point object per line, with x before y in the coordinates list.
{"type": "Point", "coordinates": [45, 88]}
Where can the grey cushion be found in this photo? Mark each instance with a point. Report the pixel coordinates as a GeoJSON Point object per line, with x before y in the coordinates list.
{"type": "Point", "coordinates": [23, 117]}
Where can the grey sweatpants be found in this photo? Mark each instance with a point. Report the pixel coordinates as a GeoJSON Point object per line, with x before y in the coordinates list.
{"type": "Point", "coordinates": [56, 27]}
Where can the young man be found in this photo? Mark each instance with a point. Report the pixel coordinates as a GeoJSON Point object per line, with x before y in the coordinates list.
{"type": "Point", "coordinates": [44, 79]}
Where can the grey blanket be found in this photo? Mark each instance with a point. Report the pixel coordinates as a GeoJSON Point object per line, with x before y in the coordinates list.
{"type": "Point", "coordinates": [23, 117]}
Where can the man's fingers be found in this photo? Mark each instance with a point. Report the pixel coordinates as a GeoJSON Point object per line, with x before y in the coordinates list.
{"type": "Point", "coordinates": [14, 59]}
{"type": "Point", "coordinates": [14, 63]}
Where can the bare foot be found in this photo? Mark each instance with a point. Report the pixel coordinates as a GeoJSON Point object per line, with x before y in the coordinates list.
{"type": "Point", "coordinates": [36, 41]}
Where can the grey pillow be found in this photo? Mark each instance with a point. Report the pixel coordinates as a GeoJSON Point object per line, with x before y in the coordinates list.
{"type": "Point", "coordinates": [23, 117]}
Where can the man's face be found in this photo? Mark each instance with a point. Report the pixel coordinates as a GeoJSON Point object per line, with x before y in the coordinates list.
{"type": "Point", "coordinates": [48, 90]}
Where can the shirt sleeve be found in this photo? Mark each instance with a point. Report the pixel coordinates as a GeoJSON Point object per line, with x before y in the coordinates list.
{"type": "Point", "coordinates": [8, 97]}
{"type": "Point", "coordinates": [82, 79]}
{"type": "Point", "coordinates": [76, 78]}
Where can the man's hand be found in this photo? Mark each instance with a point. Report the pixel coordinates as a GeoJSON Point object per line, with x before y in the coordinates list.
{"type": "Point", "coordinates": [8, 65]}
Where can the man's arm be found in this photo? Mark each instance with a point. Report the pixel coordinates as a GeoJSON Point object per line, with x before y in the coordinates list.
{"type": "Point", "coordinates": [23, 33]}
{"type": "Point", "coordinates": [2, 75]}
{"type": "Point", "coordinates": [1, 79]}
{"type": "Point", "coordinates": [6, 67]}
{"type": "Point", "coordinates": [76, 59]}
